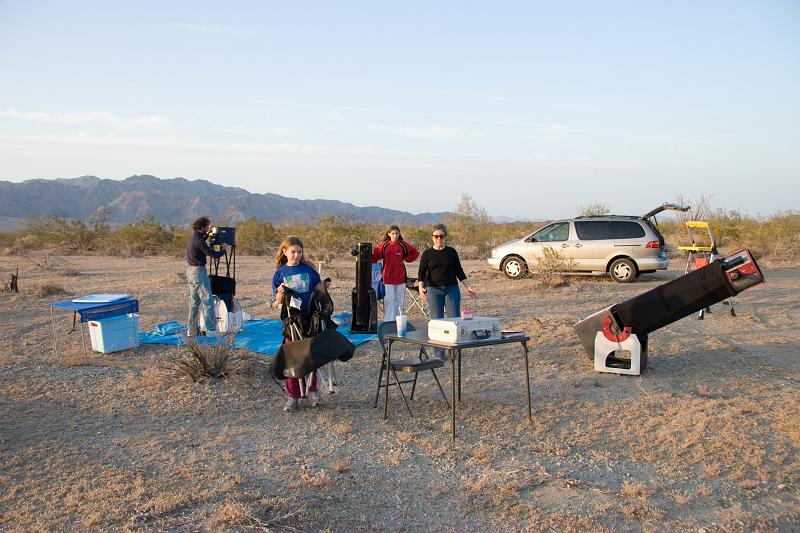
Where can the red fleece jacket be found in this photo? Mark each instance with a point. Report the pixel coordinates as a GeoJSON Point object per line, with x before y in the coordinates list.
{"type": "Point", "coordinates": [393, 255]}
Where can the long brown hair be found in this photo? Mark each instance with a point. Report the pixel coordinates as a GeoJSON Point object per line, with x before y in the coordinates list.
{"type": "Point", "coordinates": [280, 258]}
{"type": "Point", "coordinates": [392, 228]}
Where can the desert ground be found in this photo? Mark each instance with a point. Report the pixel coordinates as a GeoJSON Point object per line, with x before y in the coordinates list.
{"type": "Point", "coordinates": [706, 439]}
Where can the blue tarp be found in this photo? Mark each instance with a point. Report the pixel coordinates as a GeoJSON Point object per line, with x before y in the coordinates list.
{"type": "Point", "coordinates": [262, 335]}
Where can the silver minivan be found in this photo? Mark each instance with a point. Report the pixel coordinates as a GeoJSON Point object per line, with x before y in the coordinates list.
{"type": "Point", "coordinates": [621, 246]}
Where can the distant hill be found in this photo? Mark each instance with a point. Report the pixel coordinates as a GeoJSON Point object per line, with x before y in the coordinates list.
{"type": "Point", "coordinates": [174, 201]}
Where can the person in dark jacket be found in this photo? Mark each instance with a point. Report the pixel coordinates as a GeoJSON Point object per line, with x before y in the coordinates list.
{"type": "Point", "coordinates": [439, 273]}
{"type": "Point", "coordinates": [199, 285]}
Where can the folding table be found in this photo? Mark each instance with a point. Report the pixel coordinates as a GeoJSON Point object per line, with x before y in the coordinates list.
{"type": "Point", "coordinates": [420, 338]}
{"type": "Point", "coordinates": [93, 310]}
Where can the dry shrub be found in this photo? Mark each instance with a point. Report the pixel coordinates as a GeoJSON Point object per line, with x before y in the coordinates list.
{"type": "Point", "coordinates": [481, 455]}
{"type": "Point", "coordinates": [551, 267]}
{"type": "Point", "coordinates": [342, 428]}
{"type": "Point", "coordinates": [341, 466]}
{"type": "Point", "coordinates": [394, 457]}
{"type": "Point", "coordinates": [44, 291]}
{"type": "Point", "coordinates": [703, 491]}
{"type": "Point", "coordinates": [215, 359]}
{"type": "Point", "coordinates": [634, 490]}
{"type": "Point", "coordinates": [77, 360]}
{"type": "Point", "coordinates": [229, 514]}
{"type": "Point", "coordinates": [316, 479]}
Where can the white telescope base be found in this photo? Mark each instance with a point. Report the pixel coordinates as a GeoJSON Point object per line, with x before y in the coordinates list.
{"type": "Point", "coordinates": [618, 357]}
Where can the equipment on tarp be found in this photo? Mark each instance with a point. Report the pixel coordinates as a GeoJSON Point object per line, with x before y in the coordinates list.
{"type": "Point", "coordinates": [700, 255]}
{"type": "Point", "coordinates": [227, 308]}
{"type": "Point", "coordinates": [223, 286]}
{"type": "Point", "coordinates": [228, 319]}
{"type": "Point", "coordinates": [365, 306]}
{"type": "Point", "coordinates": [616, 337]}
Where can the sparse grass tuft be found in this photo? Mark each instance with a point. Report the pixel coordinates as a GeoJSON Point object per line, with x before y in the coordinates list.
{"type": "Point", "coordinates": [215, 359]}
{"type": "Point", "coordinates": [44, 291]}
{"type": "Point", "coordinates": [314, 479]}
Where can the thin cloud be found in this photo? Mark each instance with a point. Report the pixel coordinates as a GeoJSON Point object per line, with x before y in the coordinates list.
{"type": "Point", "coordinates": [337, 108]}
{"type": "Point", "coordinates": [84, 117]}
{"type": "Point", "coordinates": [214, 29]}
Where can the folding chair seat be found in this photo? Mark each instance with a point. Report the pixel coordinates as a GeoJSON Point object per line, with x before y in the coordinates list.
{"type": "Point", "coordinates": [414, 365]}
{"type": "Point", "coordinates": [414, 301]}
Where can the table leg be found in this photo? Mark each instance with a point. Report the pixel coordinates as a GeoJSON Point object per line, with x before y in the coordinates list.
{"type": "Point", "coordinates": [83, 340]}
{"type": "Point", "coordinates": [459, 375]}
{"type": "Point", "coordinates": [134, 340]}
{"type": "Point", "coordinates": [453, 393]}
{"type": "Point", "coordinates": [388, 366]}
{"type": "Point", "coordinates": [527, 380]}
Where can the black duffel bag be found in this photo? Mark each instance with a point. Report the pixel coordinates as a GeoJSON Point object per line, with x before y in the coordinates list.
{"type": "Point", "coordinates": [225, 288]}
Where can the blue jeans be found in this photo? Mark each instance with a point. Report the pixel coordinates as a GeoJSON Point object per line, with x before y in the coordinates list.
{"type": "Point", "coordinates": [200, 295]}
{"type": "Point", "coordinates": [444, 302]}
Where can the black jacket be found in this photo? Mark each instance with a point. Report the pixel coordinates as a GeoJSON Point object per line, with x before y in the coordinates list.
{"type": "Point", "coordinates": [299, 358]}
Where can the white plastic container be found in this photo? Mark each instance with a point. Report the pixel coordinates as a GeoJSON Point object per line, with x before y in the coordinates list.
{"type": "Point", "coordinates": [455, 330]}
{"type": "Point", "coordinates": [115, 334]}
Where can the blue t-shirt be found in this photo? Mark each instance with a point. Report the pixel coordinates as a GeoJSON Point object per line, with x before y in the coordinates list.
{"type": "Point", "coordinates": [302, 279]}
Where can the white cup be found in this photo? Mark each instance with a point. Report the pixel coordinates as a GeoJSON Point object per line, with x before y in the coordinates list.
{"type": "Point", "coordinates": [402, 323]}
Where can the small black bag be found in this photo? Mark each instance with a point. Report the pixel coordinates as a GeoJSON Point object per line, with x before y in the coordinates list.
{"type": "Point", "coordinates": [223, 287]}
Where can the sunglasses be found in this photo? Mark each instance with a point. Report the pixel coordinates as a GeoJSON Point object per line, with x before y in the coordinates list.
{"type": "Point", "coordinates": [435, 236]}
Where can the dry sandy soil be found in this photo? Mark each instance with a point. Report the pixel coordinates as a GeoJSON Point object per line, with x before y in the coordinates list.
{"type": "Point", "coordinates": [706, 439]}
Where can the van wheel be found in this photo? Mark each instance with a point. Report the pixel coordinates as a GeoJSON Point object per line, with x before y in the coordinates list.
{"type": "Point", "coordinates": [622, 270]}
{"type": "Point", "coordinates": [514, 267]}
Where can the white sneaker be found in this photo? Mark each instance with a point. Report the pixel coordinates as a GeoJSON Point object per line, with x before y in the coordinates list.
{"type": "Point", "coordinates": [292, 404]}
{"type": "Point", "coordinates": [316, 399]}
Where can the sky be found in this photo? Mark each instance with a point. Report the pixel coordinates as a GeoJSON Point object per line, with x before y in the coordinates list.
{"type": "Point", "coordinates": [534, 109]}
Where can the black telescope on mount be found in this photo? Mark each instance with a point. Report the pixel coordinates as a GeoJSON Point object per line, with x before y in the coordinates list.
{"type": "Point", "coordinates": [365, 305]}
{"type": "Point", "coordinates": [616, 337]}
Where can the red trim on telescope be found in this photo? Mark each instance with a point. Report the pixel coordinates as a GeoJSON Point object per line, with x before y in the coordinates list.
{"type": "Point", "coordinates": [611, 332]}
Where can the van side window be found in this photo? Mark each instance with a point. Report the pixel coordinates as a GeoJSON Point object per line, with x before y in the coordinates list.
{"type": "Point", "coordinates": [593, 230]}
{"type": "Point", "coordinates": [626, 230]}
{"type": "Point", "coordinates": [552, 233]}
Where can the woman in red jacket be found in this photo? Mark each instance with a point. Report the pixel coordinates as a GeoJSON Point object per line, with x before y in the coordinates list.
{"type": "Point", "coordinates": [394, 251]}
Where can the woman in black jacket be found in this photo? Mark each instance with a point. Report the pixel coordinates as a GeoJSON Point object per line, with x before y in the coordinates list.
{"type": "Point", "coordinates": [439, 273]}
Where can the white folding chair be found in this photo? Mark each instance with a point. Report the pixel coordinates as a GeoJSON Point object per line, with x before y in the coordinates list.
{"type": "Point", "coordinates": [414, 301]}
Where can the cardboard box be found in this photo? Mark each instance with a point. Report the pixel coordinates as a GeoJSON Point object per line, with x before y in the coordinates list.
{"type": "Point", "coordinates": [115, 334]}
{"type": "Point", "coordinates": [455, 330]}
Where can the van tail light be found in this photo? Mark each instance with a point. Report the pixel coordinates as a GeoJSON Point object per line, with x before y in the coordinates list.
{"type": "Point", "coordinates": [653, 244]}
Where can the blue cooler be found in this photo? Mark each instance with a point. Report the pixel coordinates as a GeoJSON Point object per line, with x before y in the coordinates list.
{"type": "Point", "coordinates": [115, 334]}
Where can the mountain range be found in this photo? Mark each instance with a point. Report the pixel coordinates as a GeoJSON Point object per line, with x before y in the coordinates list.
{"type": "Point", "coordinates": [174, 201]}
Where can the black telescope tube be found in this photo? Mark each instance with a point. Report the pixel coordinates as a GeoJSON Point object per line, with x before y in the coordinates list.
{"type": "Point", "coordinates": [676, 299]}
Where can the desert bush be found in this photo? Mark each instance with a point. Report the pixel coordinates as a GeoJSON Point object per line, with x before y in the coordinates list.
{"type": "Point", "coordinates": [551, 267]}
{"type": "Point", "coordinates": [43, 291]}
{"type": "Point", "coordinates": [471, 232]}
{"type": "Point", "coordinates": [595, 209]}
{"type": "Point", "coordinates": [7, 240]}
{"type": "Point", "coordinates": [146, 237]}
{"type": "Point", "coordinates": [255, 237]}
{"type": "Point", "coordinates": [776, 238]}
{"type": "Point", "coordinates": [46, 232]}
{"type": "Point", "coordinates": [215, 359]}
